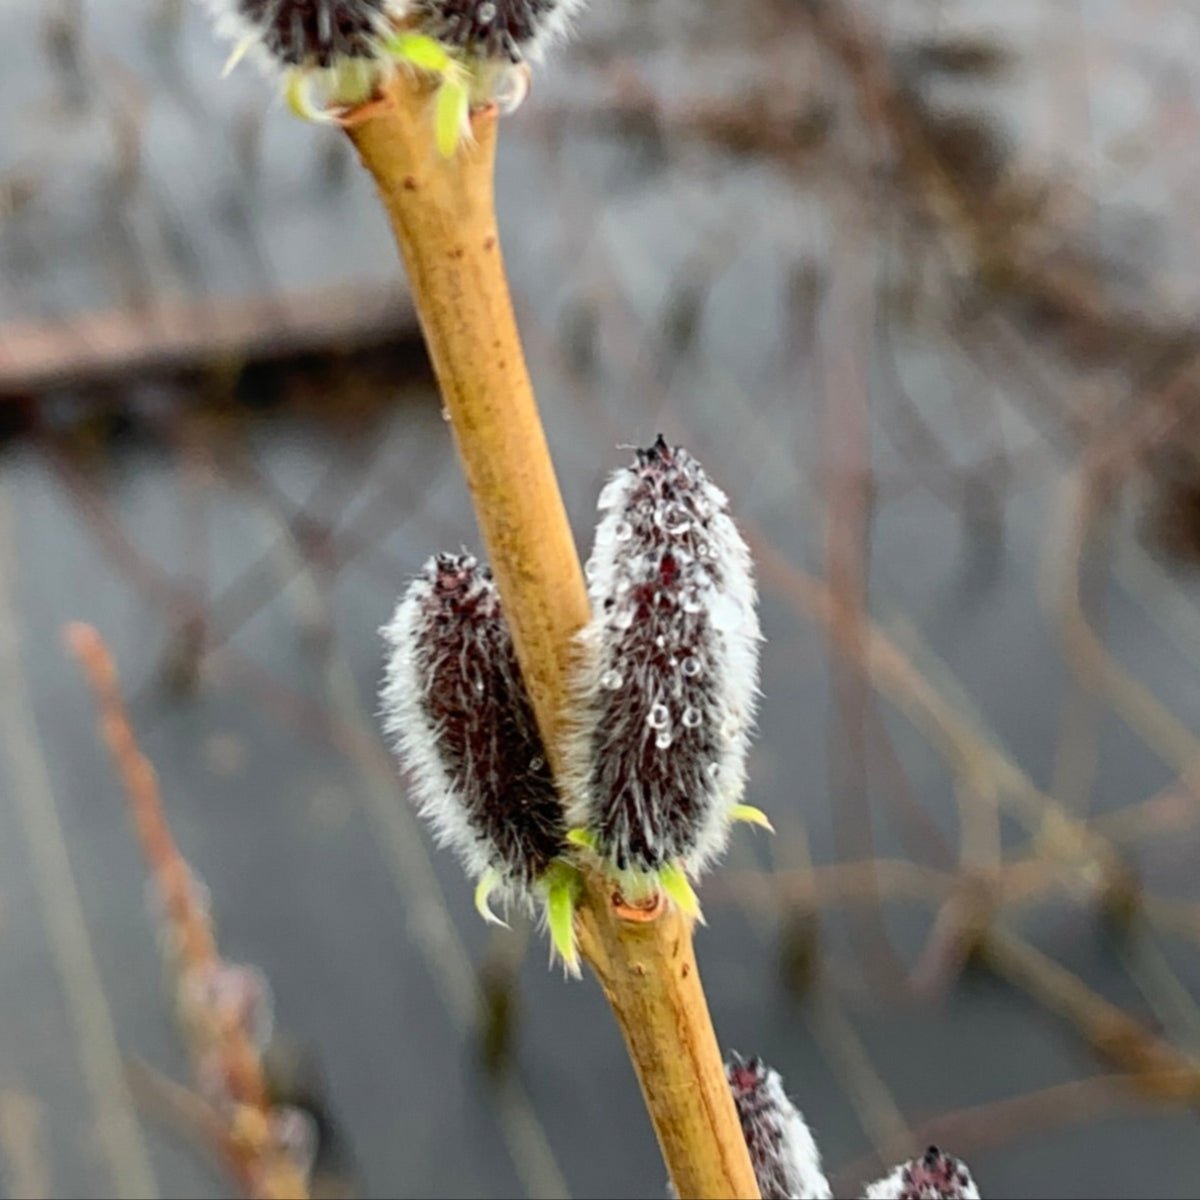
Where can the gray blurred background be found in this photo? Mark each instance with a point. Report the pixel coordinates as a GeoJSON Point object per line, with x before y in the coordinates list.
{"type": "Point", "coordinates": [917, 280]}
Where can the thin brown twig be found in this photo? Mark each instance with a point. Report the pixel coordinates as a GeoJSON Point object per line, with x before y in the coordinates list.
{"type": "Point", "coordinates": [125, 343]}
{"type": "Point", "coordinates": [1155, 1066]}
{"type": "Point", "coordinates": [1088, 493]}
{"type": "Point", "coordinates": [263, 1167]}
{"type": "Point", "coordinates": [847, 541]}
{"type": "Point", "coordinates": [1000, 1122]}
{"type": "Point", "coordinates": [442, 213]}
{"type": "Point", "coordinates": [185, 1110]}
{"type": "Point", "coordinates": [971, 755]}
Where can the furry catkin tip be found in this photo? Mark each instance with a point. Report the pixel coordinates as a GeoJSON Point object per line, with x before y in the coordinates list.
{"type": "Point", "coordinates": [787, 1164]}
{"type": "Point", "coordinates": [331, 55]}
{"type": "Point", "coordinates": [314, 34]}
{"type": "Point", "coordinates": [334, 55]}
{"type": "Point", "coordinates": [666, 690]}
{"type": "Point", "coordinates": [933, 1176]}
{"type": "Point", "coordinates": [495, 31]}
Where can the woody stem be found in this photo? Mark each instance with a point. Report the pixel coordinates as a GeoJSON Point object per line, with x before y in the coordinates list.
{"type": "Point", "coordinates": [442, 214]}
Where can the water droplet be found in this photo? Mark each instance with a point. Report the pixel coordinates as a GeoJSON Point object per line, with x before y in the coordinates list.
{"type": "Point", "coordinates": [660, 642]}
{"type": "Point", "coordinates": [691, 666]}
{"type": "Point", "coordinates": [702, 549]}
{"type": "Point", "coordinates": [611, 680]}
{"type": "Point", "coordinates": [664, 739]}
{"type": "Point", "coordinates": [537, 763]}
{"type": "Point", "coordinates": [713, 770]}
{"type": "Point", "coordinates": [675, 521]}
{"type": "Point", "coordinates": [623, 531]}
{"type": "Point", "coordinates": [445, 413]}
{"type": "Point", "coordinates": [591, 570]}
{"type": "Point", "coordinates": [486, 12]}
{"type": "Point", "coordinates": [660, 717]}
{"type": "Point", "coordinates": [512, 89]}
{"type": "Point", "coordinates": [478, 685]}
{"type": "Point", "coordinates": [691, 717]}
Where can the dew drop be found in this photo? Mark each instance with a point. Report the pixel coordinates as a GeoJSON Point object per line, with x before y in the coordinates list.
{"type": "Point", "coordinates": [478, 685]}
{"type": "Point", "coordinates": [537, 763]}
{"type": "Point", "coordinates": [623, 531]}
{"type": "Point", "coordinates": [486, 12]}
{"type": "Point", "coordinates": [660, 717]}
{"type": "Point", "coordinates": [675, 520]}
{"type": "Point", "coordinates": [691, 717]}
{"type": "Point", "coordinates": [591, 570]}
{"type": "Point", "coordinates": [611, 680]}
{"type": "Point", "coordinates": [445, 414]}
{"type": "Point", "coordinates": [712, 770]}
{"type": "Point", "coordinates": [512, 89]}
{"type": "Point", "coordinates": [691, 666]}
{"type": "Point", "coordinates": [664, 739]}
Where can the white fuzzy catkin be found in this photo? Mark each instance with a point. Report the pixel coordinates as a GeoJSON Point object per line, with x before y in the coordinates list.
{"type": "Point", "coordinates": [510, 31]}
{"type": "Point", "coordinates": [335, 54]}
{"type": "Point", "coordinates": [666, 689]}
{"type": "Point", "coordinates": [934, 1176]}
{"type": "Point", "coordinates": [455, 703]}
{"type": "Point", "coordinates": [312, 34]}
{"type": "Point", "coordinates": [786, 1161]}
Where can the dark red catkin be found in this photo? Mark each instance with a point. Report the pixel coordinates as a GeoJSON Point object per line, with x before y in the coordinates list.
{"type": "Point", "coordinates": [783, 1153]}
{"type": "Point", "coordinates": [787, 1164]}
{"type": "Point", "coordinates": [667, 684]}
{"type": "Point", "coordinates": [455, 703]}
{"type": "Point", "coordinates": [933, 1176]}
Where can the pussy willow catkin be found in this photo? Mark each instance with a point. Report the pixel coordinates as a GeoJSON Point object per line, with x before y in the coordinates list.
{"type": "Point", "coordinates": [455, 702]}
{"type": "Point", "coordinates": [786, 1161]}
{"type": "Point", "coordinates": [667, 684]}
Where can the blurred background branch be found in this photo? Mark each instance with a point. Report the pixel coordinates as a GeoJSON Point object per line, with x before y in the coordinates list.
{"type": "Point", "coordinates": [918, 283]}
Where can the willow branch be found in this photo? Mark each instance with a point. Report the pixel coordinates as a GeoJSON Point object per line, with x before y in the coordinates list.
{"type": "Point", "coordinates": [266, 1171]}
{"type": "Point", "coordinates": [442, 214]}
